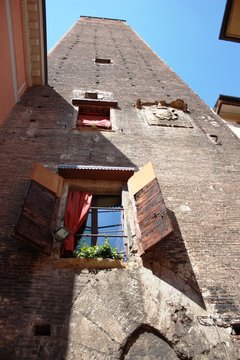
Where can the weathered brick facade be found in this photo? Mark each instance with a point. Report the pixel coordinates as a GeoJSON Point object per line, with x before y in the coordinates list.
{"type": "Point", "coordinates": [187, 290]}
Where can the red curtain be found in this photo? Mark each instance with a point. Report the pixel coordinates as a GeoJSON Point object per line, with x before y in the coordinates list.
{"type": "Point", "coordinates": [102, 121]}
{"type": "Point", "coordinates": [78, 204]}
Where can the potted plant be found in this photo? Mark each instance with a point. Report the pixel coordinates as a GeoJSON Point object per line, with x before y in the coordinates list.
{"type": "Point", "coordinates": [105, 251]}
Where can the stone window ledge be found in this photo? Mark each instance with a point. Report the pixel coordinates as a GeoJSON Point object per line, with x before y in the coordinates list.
{"type": "Point", "coordinates": [86, 263]}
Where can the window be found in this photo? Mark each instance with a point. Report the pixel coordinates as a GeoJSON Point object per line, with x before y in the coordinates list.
{"type": "Point", "coordinates": [94, 117]}
{"type": "Point", "coordinates": [42, 329]}
{"type": "Point", "coordinates": [104, 221]}
{"type": "Point", "coordinates": [235, 330]}
{"type": "Point", "coordinates": [95, 194]}
{"type": "Point", "coordinates": [103, 61]}
{"type": "Point", "coordinates": [91, 95]}
{"type": "Point", "coordinates": [94, 114]}
{"type": "Point", "coordinates": [96, 211]}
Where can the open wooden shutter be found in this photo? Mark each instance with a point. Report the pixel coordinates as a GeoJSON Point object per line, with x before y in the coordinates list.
{"type": "Point", "coordinates": [152, 215]}
{"type": "Point", "coordinates": [34, 222]}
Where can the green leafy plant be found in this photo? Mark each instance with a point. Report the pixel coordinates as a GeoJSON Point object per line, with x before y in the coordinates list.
{"type": "Point", "coordinates": [105, 251]}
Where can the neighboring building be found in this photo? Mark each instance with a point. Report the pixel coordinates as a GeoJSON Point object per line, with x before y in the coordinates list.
{"type": "Point", "coordinates": [228, 107]}
{"type": "Point", "coordinates": [23, 50]}
{"type": "Point", "coordinates": [113, 107]}
{"type": "Point", "coordinates": [230, 29]}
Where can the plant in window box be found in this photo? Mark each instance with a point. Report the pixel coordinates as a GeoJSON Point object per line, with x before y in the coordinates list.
{"type": "Point", "coordinates": [105, 251]}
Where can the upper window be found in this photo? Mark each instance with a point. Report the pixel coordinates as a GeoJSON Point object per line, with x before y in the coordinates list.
{"type": "Point", "coordinates": [94, 117]}
{"type": "Point", "coordinates": [91, 95]}
{"type": "Point", "coordinates": [94, 113]}
{"type": "Point", "coordinates": [103, 61]}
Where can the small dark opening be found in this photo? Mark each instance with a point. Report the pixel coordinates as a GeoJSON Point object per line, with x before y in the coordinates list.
{"type": "Point", "coordinates": [235, 329]}
{"type": "Point", "coordinates": [102, 61]}
{"type": "Point", "coordinates": [91, 95]}
{"type": "Point", "coordinates": [42, 330]}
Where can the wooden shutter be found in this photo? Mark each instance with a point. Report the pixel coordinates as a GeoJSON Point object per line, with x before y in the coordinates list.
{"type": "Point", "coordinates": [152, 215]}
{"type": "Point", "coordinates": [34, 222]}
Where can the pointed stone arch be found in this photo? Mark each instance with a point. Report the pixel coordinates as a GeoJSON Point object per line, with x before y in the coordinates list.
{"type": "Point", "coordinates": [147, 342]}
{"type": "Point", "coordinates": [123, 314]}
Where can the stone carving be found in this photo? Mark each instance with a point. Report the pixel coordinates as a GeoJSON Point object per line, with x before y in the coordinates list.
{"type": "Point", "coordinates": [159, 115]}
{"type": "Point", "coordinates": [164, 113]}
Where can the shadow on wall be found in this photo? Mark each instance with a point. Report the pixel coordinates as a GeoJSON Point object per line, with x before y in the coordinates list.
{"type": "Point", "coordinates": [35, 305]}
{"type": "Point", "coordinates": [170, 262]}
{"type": "Point", "coordinates": [36, 296]}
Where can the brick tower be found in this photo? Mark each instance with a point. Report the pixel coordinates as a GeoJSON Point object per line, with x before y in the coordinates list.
{"type": "Point", "coordinates": [118, 127]}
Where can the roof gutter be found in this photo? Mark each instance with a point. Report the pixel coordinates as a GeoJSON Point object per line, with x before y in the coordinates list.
{"type": "Point", "coordinates": [44, 37]}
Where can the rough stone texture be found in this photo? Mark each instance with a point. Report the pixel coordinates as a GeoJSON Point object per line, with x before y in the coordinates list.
{"type": "Point", "coordinates": [194, 273]}
{"type": "Point", "coordinates": [149, 346]}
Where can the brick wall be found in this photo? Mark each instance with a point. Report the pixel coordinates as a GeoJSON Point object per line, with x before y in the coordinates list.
{"type": "Point", "coordinates": [198, 177]}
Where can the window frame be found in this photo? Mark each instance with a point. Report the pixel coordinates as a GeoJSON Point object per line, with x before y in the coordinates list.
{"type": "Point", "coordinates": [91, 95]}
{"type": "Point", "coordinates": [98, 114]}
{"type": "Point", "coordinates": [94, 220]}
{"type": "Point", "coordinates": [103, 61]}
{"type": "Point", "coordinates": [98, 180]}
{"type": "Point", "coordinates": [151, 217]}
{"type": "Point", "coordinates": [94, 108]}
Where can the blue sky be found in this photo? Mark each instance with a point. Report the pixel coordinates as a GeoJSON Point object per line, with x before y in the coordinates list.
{"type": "Point", "coordinates": [184, 33]}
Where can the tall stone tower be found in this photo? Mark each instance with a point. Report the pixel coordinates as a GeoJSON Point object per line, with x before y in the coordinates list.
{"type": "Point", "coordinates": [118, 127]}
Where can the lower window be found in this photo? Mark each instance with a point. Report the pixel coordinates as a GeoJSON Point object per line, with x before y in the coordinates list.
{"type": "Point", "coordinates": [89, 199]}
{"type": "Point", "coordinates": [104, 222]}
{"type": "Point", "coordinates": [96, 225]}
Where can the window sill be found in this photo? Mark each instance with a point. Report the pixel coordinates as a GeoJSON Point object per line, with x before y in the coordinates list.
{"type": "Point", "coordinates": [95, 263]}
{"type": "Point", "coordinates": [91, 128]}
